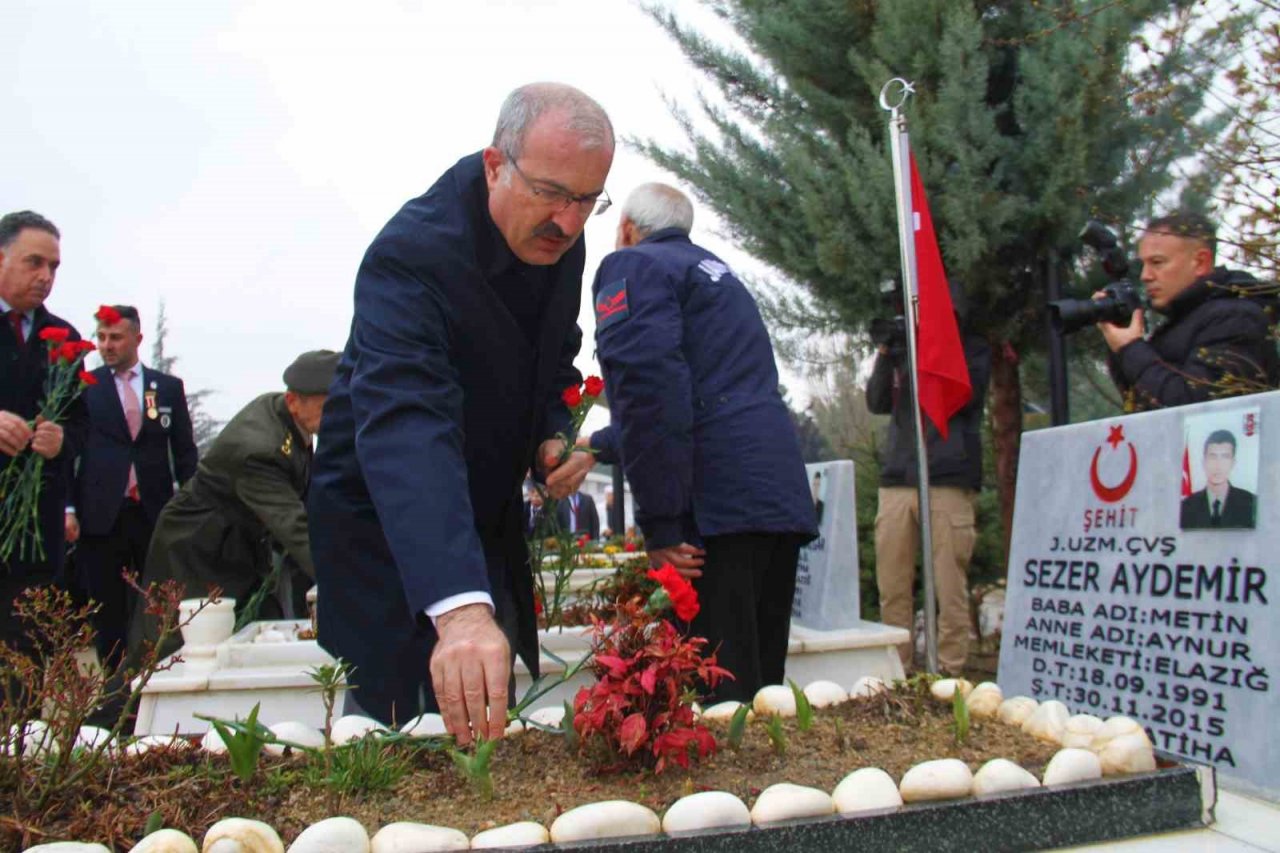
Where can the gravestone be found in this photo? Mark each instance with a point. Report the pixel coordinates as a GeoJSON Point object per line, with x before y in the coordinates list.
{"type": "Point", "coordinates": [1143, 579]}
{"type": "Point", "coordinates": [827, 577]}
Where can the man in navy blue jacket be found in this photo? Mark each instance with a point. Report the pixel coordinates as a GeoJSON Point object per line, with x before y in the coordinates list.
{"type": "Point", "coordinates": [140, 441]}
{"type": "Point", "coordinates": [448, 390]}
{"type": "Point", "coordinates": [703, 434]}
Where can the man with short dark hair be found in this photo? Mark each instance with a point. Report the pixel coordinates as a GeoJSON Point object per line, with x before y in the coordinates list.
{"type": "Point", "coordinates": [699, 426]}
{"type": "Point", "coordinates": [1219, 503]}
{"type": "Point", "coordinates": [463, 338]}
{"type": "Point", "coordinates": [246, 501]}
{"type": "Point", "coordinates": [140, 441]}
{"type": "Point", "coordinates": [30, 254]}
{"type": "Point", "coordinates": [1216, 340]}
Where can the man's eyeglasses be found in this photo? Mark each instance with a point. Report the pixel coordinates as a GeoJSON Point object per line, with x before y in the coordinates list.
{"type": "Point", "coordinates": [558, 199]}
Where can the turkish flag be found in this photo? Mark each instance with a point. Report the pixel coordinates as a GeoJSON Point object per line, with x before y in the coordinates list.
{"type": "Point", "coordinates": [944, 377]}
{"type": "Point", "coordinates": [1186, 471]}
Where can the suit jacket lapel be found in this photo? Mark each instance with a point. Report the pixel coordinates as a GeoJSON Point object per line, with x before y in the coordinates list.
{"type": "Point", "coordinates": [109, 397]}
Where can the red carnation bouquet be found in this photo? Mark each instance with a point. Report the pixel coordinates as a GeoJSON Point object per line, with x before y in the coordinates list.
{"type": "Point", "coordinates": [22, 478]}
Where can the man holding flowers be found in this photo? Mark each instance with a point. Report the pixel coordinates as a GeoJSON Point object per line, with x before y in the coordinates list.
{"type": "Point", "coordinates": [449, 389]}
{"type": "Point", "coordinates": [32, 341]}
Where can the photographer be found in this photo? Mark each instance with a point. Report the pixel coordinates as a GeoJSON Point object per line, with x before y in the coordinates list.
{"type": "Point", "coordinates": [955, 476]}
{"type": "Point", "coordinates": [1216, 341]}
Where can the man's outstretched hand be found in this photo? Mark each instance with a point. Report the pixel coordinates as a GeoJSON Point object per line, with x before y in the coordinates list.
{"type": "Point", "coordinates": [470, 669]}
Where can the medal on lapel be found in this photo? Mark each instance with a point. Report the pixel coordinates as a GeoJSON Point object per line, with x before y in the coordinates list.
{"type": "Point", "coordinates": [287, 447]}
{"type": "Point", "coordinates": [149, 400]}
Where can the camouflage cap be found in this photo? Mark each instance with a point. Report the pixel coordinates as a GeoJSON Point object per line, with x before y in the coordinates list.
{"type": "Point", "coordinates": [311, 372]}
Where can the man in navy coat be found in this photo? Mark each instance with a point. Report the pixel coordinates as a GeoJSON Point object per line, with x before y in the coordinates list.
{"type": "Point", "coordinates": [140, 441]}
{"type": "Point", "coordinates": [30, 253]}
{"type": "Point", "coordinates": [703, 434]}
{"type": "Point", "coordinates": [448, 390]}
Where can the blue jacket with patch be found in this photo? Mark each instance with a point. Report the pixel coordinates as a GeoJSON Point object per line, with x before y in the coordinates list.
{"type": "Point", "coordinates": [698, 422]}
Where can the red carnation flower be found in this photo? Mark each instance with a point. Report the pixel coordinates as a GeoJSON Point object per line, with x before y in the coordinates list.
{"type": "Point", "coordinates": [85, 346]}
{"type": "Point", "coordinates": [107, 316]}
{"type": "Point", "coordinates": [629, 547]}
{"type": "Point", "coordinates": [55, 334]}
{"type": "Point", "coordinates": [68, 351]}
{"type": "Point", "coordinates": [684, 598]}
{"type": "Point", "coordinates": [88, 378]}
{"type": "Point", "coordinates": [571, 396]}
{"type": "Point", "coordinates": [593, 386]}
{"type": "Point", "coordinates": [583, 540]}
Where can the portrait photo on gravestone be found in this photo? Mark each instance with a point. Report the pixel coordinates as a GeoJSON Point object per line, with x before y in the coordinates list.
{"type": "Point", "coordinates": [1220, 471]}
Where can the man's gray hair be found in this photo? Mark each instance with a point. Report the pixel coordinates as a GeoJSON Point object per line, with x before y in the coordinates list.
{"type": "Point", "coordinates": [653, 207]}
{"type": "Point", "coordinates": [526, 105]}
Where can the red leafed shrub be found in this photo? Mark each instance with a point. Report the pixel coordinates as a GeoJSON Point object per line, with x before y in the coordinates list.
{"type": "Point", "coordinates": [641, 707]}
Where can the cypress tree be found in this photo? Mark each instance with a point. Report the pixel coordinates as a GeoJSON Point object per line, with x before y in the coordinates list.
{"type": "Point", "coordinates": [1030, 117]}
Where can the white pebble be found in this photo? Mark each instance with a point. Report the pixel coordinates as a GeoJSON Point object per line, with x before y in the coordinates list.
{"type": "Point", "coordinates": [353, 727]}
{"type": "Point", "coordinates": [1072, 765]}
{"type": "Point", "coordinates": [940, 779]}
{"type": "Point", "coordinates": [706, 810]}
{"type": "Point", "coordinates": [785, 801]}
{"type": "Point", "coordinates": [37, 740]}
{"type": "Point", "coordinates": [774, 701]}
{"type": "Point", "coordinates": [241, 835]}
{"type": "Point", "coordinates": [985, 700]}
{"type": "Point", "coordinates": [523, 834]}
{"type": "Point", "coordinates": [1014, 711]}
{"type": "Point", "coordinates": [424, 725]}
{"type": "Point", "coordinates": [868, 686]}
{"type": "Point", "coordinates": [945, 688]}
{"type": "Point", "coordinates": [824, 694]}
{"type": "Point", "coordinates": [295, 732]}
{"type": "Point", "coordinates": [1048, 722]}
{"type": "Point", "coordinates": [514, 727]}
{"type": "Point", "coordinates": [150, 742]}
{"type": "Point", "coordinates": [1080, 730]}
{"type": "Point", "coordinates": [212, 742]}
{"type": "Point", "coordinates": [1127, 754]}
{"type": "Point", "coordinates": [1001, 774]}
{"type": "Point", "coordinates": [165, 841]}
{"type": "Point", "coordinates": [67, 847]}
{"type": "Point", "coordinates": [332, 835]}
{"type": "Point", "coordinates": [551, 716]}
{"type": "Point", "coordinates": [408, 837]}
{"type": "Point", "coordinates": [725, 711]}
{"type": "Point", "coordinates": [1113, 728]}
{"type": "Point", "coordinates": [608, 819]}
{"type": "Point", "coordinates": [271, 635]}
{"type": "Point", "coordinates": [864, 790]}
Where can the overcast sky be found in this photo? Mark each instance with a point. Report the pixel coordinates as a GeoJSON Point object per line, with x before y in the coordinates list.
{"type": "Point", "coordinates": [236, 157]}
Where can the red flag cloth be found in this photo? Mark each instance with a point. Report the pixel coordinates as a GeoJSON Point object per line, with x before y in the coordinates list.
{"type": "Point", "coordinates": [1186, 472]}
{"type": "Point", "coordinates": [944, 377]}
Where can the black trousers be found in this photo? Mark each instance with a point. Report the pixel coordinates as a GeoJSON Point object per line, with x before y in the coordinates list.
{"type": "Point", "coordinates": [14, 580]}
{"type": "Point", "coordinates": [99, 561]}
{"type": "Point", "coordinates": [747, 585]}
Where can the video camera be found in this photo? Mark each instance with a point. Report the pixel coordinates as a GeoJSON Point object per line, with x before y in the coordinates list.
{"type": "Point", "coordinates": [1122, 296]}
{"type": "Point", "coordinates": [891, 332]}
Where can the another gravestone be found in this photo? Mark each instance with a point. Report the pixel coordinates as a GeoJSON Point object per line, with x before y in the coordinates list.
{"type": "Point", "coordinates": [827, 579]}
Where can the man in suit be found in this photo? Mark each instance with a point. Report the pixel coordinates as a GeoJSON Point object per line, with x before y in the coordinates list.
{"type": "Point", "coordinates": [1219, 504]}
{"type": "Point", "coordinates": [703, 434]}
{"type": "Point", "coordinates": [140, 441]}
{"type": "Point", "coordinates": [577, 514]}
{"type": "Point", "coordinates": [448, 391]}
{"type": "Point", "coordinates": [245, 500]}
{"type": "Point", "coordinates": [532, 509]}
{"type": "Point", "coordinates": [30, 254]}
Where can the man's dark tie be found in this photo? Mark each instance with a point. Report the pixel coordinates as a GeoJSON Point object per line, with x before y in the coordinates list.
{"type": "Point", "coordinates": [1217, 512]}
{"type": "Point", "coordinates": [15, 320]}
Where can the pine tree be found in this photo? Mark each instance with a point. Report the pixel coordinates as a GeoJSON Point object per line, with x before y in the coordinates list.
{"type": "Point", "coordinates": [203, 424]}
{"type": "Point", "coordinates": [1029, 118]}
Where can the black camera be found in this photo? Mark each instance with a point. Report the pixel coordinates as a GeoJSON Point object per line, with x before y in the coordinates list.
{"type": "Point", "coordinates": [890, 332]}
{"type": "Point", "coordinates": [1122, 296]}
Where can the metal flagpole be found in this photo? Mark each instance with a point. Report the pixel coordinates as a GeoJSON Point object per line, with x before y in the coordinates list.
{"type": "Point", "coordinates": [901, 149]}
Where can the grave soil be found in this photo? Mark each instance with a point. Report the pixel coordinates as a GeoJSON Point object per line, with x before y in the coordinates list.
{"type": "Point", "coordinates": [535, 777]}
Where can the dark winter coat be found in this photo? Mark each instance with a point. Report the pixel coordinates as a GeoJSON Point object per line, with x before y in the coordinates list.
{"type": "Point", "coordinates": [955, 461]}
{"type": "Point", "coordinates": [1216, 342]}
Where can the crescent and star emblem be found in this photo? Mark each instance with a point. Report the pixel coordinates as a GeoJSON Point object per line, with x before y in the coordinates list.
{"type": "Point", "coordinates": [1111, 494]}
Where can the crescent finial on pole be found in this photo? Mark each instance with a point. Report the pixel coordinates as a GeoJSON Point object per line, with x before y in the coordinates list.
{"type": "Point", "coordinates": [905, 90]}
